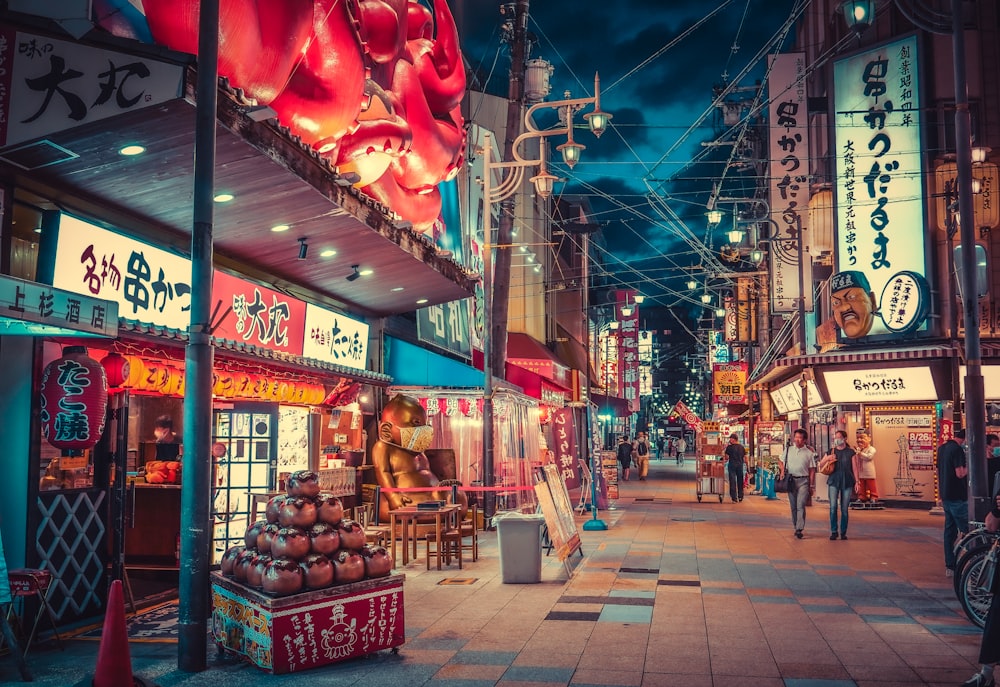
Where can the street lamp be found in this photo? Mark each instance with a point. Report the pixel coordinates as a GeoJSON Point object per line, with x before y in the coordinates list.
{"type": "Point", "coordinates": [512, 177]}
{"type": "Point", "coordinates": [933, 21]}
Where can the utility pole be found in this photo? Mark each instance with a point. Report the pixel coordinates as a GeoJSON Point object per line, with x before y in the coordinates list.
{"type": "Point", "coordinates": [501, 271]}
{"type": "Point", "coordinates": [497, 280]}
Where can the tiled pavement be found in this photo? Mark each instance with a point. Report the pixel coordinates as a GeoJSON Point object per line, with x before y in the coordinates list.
{"type": "Point", "coordinates": [675, 592]}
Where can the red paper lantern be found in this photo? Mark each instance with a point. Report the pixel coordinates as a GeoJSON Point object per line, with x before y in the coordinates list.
{"type": "Point", "coordinates": [116, 369]}
{"type": "Point", "coordinates": [74, 400]}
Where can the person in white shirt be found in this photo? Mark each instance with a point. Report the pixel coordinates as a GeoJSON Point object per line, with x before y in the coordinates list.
{"type": "Point", "coordinates": [681, 446]}
{"type": "Point", "coordinates": [800, 463]}
{"type": "Point", "coordinates": [864, 469]}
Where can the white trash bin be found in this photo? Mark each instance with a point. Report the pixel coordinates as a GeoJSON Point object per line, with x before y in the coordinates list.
{"type": "Point", "coordinates": [519, 539]}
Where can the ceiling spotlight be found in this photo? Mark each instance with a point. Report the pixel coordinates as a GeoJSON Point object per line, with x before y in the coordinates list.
{"type": "Point", "coordinates": [354, 273]}
{"type": "Point", "coordinates": [130, 150]}
{"type": "Point", "coordinates": [327, 253]}
{"type": "Point", "coordinates": [421, 301]}
{"type": "Point", "coordinates": [278, 228]}
{"type": "Point", "coordinates": [303, 248]}
{"type": "Point", "coordinates": [223, 197]}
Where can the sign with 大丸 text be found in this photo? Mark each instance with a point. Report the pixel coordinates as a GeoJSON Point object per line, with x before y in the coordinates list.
{"type": "Point", "coordinates": [880, 385]}
{"type": "Point", "coordinates": [153, 285]}
{"type": "Point", "coordinates": [49, 85]}
{"type": "Point", "coordinates": [879, 174]}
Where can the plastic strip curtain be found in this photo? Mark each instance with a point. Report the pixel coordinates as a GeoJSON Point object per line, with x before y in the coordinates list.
{"type": "Point", "coordinates": [457, 418]}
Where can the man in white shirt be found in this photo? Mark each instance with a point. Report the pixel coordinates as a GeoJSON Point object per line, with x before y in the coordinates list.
{"type": "Point", "coordinates": [800, 463]}
{"type": "Point", "coordinates": [681, 447]}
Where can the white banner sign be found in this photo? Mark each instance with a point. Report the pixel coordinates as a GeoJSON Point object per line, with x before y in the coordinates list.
{"type": "Point", "coordinates": [879, 386]}
{"type": "Point", "coordinates": [51, 85]}
{"type": "Point", "coordinates": [789, 183]}
{"type": "Point", "coordinates": [335, 338]}
{"type": "Point", "coordinates": [879, 182]}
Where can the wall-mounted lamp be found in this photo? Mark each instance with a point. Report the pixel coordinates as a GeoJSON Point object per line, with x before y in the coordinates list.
{"type": "Point", "coordinates": [756, 256]}
{"type": "Point", "coordinates": [714, 217]}
{"type": "Point", "coordinates": [639, 298]}
{"type": "Point", "coordinates": [706, 297]}
{"type": "Point", "coordinates": [735, 235]}
{"type": "Point", "coordinates": [720, 312]}
{"type": "Point", "coordinates": [980, 154]}
{"type": "Point", "coordinates": [692, 285]}
{"type": "Point", "coordinates": [355, 273]}
{"type": "Point", "coordinates": [627, 311]}
{"type": "Point", "coordinates": [303, 248]}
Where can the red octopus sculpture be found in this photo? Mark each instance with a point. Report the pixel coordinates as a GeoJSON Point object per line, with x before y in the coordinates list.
{"type": "Point", "coordinates": [367, 83]}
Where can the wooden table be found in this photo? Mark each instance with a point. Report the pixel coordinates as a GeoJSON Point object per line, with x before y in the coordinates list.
{"type": "Point", "coordinates": [407, 517]}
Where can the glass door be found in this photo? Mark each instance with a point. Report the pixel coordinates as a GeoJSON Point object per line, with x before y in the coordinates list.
{"type": "Point", "coordinates": [244, 448]}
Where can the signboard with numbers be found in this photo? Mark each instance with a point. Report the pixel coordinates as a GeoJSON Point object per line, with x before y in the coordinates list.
{"type": "Point", "coordinates": [446, 326]}
{"type": "Point", "coordinates": [153, 285]}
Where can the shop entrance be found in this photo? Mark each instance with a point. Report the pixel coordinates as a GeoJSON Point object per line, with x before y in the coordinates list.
{"type": "Point", "coordinates": [244, 449]}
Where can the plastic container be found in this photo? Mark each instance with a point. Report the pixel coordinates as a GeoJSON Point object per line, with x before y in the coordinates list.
{"type": "Point", "coordinates": [520, 542]}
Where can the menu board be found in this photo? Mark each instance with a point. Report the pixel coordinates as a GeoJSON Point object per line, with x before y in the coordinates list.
{"type": "Point", "coordinates": [609, 468]}
{"type": "Point", "coordinates": [558, 512]}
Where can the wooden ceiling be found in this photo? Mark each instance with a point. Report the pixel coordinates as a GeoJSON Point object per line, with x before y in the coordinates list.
{"type": "Point", "coordinates": [275, 180]}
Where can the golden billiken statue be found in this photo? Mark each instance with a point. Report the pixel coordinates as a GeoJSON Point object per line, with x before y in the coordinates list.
{"type": "Point", "coordinates": [403, 436]}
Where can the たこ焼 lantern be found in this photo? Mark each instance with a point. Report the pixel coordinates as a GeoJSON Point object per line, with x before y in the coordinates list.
{"type": "Point", "coordinates": [74, 400]}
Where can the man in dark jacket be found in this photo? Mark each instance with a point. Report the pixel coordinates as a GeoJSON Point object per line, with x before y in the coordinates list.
{"type": "Point", "coordinates": [625, 456]}
{"type": "Point", "coordinates": [736, 459]}
{"type": "Point", "coordinates": [954, 489]}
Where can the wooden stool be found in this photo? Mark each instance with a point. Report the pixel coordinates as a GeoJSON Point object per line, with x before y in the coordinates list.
{"type": "Point", "coordinates": [470, 528]}
{"type": "Point", "coordinates": [451, 543]}
{"type": "Point", "coordinates": [27, 583]}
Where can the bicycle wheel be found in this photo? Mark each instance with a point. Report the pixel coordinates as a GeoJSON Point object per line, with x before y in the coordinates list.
{"type": "Point", "coordinates": [974, 539]}
{"type": "Point", "coordinates": [965, 557]}
{"type": "Point", "coordinates": [975, 598]}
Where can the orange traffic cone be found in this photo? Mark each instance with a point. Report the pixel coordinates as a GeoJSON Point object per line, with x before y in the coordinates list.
{"type": "Point", "coordinates": [114, 663]}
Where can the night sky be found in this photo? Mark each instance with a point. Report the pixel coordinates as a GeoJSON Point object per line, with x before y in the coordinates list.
{"type": "Point", "coordinates": [658, 83]}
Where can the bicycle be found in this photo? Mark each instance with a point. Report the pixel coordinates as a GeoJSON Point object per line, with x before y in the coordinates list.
{"type": "Point", "coordinates": [976, 555]}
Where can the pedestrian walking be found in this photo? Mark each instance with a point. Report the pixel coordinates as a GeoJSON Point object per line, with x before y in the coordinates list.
{"type": "Point", "coordinates": [989, 647]}
{"type": "Point", "coordinates": [736, 456]}
{"type": "Point", "coordinates": [800, 463]}
{"type": "Point", "coordinates": [681, 446]}
{"type": "Point", "coordinates": [625, 456]}
{"type": "Point", "coordinates": [954, 490]}
{"type": "Point", "coordinates": [642, 455]}
{"type": "Point", "coordinates": [841, 483]}
{"type": "Point", "coordinates": [659, 448]}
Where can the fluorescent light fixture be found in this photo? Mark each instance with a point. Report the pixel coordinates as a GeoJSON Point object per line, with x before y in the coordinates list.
{"type": "Point", "coordinates": [396, 289]}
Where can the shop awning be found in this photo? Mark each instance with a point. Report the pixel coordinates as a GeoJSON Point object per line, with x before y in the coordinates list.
{"type": "Point", "coordinates": [572, 352]}
{"type": "Point", "coordinates": [617, 406]}
{"type": "Point", "coordinates": [536, 386]}
{"type": "Point", "coordinates": [252, 354]}
{"type": "Point", "coordinates": [783, 368]}
{"type": "Point", "coordinates": [275, 180]}
{"type": "Point", "coordinates": [524, 351]}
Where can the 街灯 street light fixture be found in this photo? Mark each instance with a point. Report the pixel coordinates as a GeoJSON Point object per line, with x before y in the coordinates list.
{"type": "Point", "coordinates": [512, 177]}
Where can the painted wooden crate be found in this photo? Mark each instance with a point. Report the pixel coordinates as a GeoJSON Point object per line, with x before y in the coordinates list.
{"type": "Point", "coordinates": [316, 628]}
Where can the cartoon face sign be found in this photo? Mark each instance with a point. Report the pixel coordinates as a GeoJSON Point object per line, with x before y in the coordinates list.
{"type": "Point", "coordinates": [853, 311]}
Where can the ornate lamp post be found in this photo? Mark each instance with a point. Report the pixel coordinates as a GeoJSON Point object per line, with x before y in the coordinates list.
{"type": "Point", "coordinates": [859, 15]}
{"type": "Point", "coordinates": [512, 177]}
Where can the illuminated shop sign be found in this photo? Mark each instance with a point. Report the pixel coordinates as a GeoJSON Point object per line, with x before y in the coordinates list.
{"type": "Point", "coordinates": [880, 385]}
{"type": "Point", "coordinates": [788, 397]}
{"type": "Point", "coordinates": [153, 285]}
{"type": "Point", "coordinates": [788, 115]}
{"type": "Point", "coordinates": [879, 183]}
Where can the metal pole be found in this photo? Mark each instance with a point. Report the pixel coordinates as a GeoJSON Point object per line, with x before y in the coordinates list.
{"type": "Point", "coordinates": [594, 523]}
{"type": "Point", "coordinates": [489, 497]}
{"type": "Point", "coordinates": [802, 323]}
{"type": "Point", "coordinates": [195, 534]}
{"type": "Point", "coordinates": [975, 395]}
